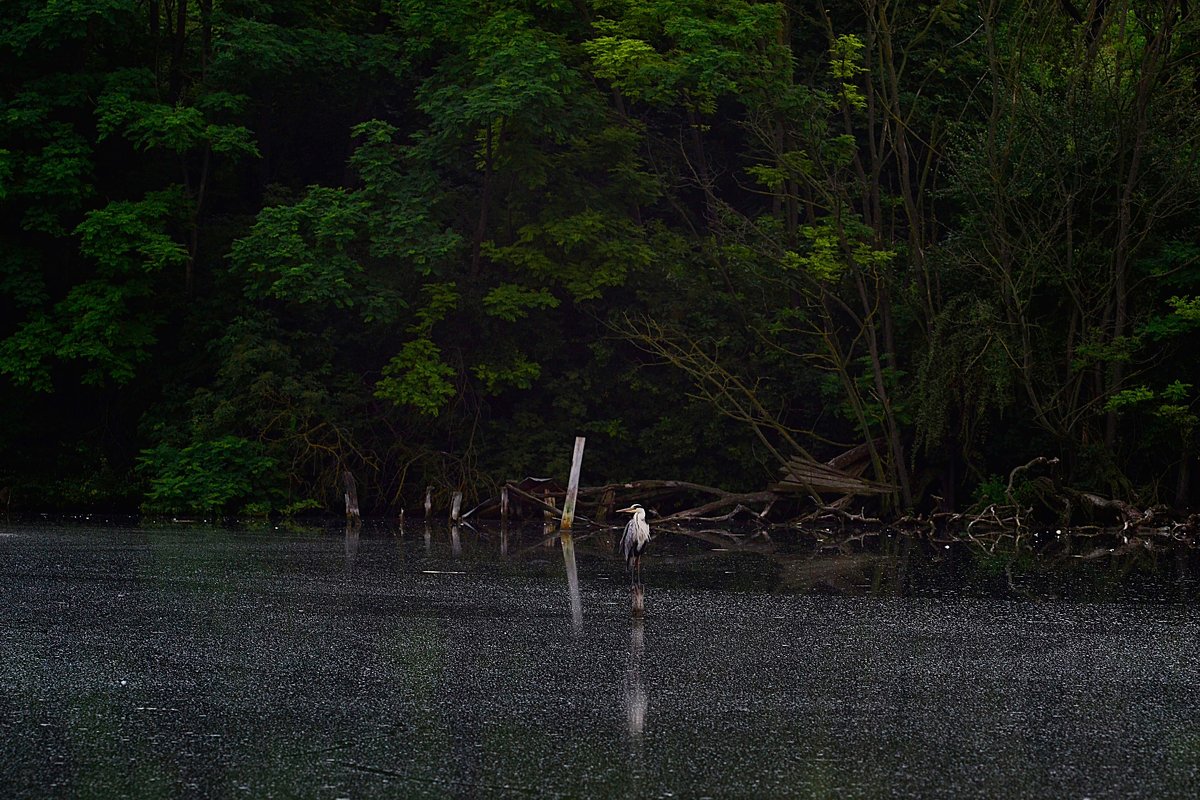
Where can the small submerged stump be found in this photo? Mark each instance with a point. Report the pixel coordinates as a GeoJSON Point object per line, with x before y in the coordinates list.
{"type": "Point", "coordinates": [637, 600]}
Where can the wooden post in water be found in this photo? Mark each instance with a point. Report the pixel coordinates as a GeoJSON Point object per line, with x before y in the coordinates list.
{"type": "Point", "coordinates": [637, 598]}
{"type": "Point", "coordinates": [352, 514]}
{"type": "Point", "coordinates": [549, 519]}
{"type": "Point", "coordinates": [606, 505]}
{"type": "Point", "coordinates": [504, 505]}
{"type": "Point", "coordinates": [573, 485]}
{"type": "Point", "coordinates": [455, 506]}
{"type": "Point", "coordinates": [428, 502]}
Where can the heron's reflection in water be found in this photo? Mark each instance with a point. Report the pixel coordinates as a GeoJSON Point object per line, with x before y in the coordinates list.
{"type": "Point", "coordinates": [634, 689]}
{"type": "Point", "coordinates": [568, 549]}
{"type": "Point", "coordinates": [351, 547]}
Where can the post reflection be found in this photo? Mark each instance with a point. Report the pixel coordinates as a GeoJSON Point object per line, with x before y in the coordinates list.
{"type": "Point", "coordinates": [455, 540]}
{"type": "Point", "coordinates": [634, 689]}
{"type": "Point", "coordinates": [568, 550]}
{"type": "Point", "coordinates": [351, 547]}
{"type": "Point", "coordinates": [428, 538]}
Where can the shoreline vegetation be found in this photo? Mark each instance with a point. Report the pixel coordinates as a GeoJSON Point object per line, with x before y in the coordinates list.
{"type": "Point", "coordinates": [938, 260]}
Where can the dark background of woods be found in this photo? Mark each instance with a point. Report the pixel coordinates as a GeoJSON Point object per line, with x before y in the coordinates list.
{"type": "Point", "coordinates": [246, 243]}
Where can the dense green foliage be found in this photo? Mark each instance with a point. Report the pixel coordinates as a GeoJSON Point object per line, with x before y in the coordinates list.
{"type": "Point", "coordinates": [247, 243]}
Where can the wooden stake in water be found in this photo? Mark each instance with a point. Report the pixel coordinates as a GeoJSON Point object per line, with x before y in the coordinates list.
{"type": "Point", "coordinates": [428, 502]}
{"type": "Point", "coordinates": [549, 520]}
{"type": "Point", "coordinates": [352, 514]}
{"type": "Point", "coordinates": [573, 485]}
{"type": "Point", "coordinates": [605, 509]}
{"type": "Point", "coordinates": [504, 520]}
{"type": "Point", "coordinates": [455, 506]}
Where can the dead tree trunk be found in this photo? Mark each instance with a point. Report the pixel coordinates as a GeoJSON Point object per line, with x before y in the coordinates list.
{"type": "Point", "coordinates": [351, 486]}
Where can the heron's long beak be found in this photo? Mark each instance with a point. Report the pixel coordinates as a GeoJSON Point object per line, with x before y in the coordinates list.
{"type": "Point", "coordinates": [624, 510]}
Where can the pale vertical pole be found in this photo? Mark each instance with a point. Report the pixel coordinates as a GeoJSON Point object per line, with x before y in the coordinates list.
{"type": "Point", "coordinates": [573, 484]}
{"type": "Point", "coordinates": [504, 504]}
{"type": "Point", "coordinates": [455, 506]}
{"type": "Point", "coordinates": [428, 502]}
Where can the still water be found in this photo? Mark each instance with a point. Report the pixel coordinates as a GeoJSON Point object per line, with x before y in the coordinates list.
{"type": "Point", "coordinates": [430, 662]}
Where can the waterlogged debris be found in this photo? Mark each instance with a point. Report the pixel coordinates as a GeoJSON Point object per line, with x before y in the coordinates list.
{"type": "Point", "coordinates": [444, 572]}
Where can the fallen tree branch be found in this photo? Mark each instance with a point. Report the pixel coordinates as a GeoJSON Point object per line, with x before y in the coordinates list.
{"type": "Point", "coordinates": [542, 504]}
{"type": "Point", "coordinates": [722, 502]}
{"type": "Point", "coordinates": [1012, 476]}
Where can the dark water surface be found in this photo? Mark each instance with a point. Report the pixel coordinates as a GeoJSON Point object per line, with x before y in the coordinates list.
{"type": "Point", "coordinates": [198, 661]}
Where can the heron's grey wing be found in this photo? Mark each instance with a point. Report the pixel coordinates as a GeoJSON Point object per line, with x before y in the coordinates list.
{"type": "Point", "coordinates": [629, 539]}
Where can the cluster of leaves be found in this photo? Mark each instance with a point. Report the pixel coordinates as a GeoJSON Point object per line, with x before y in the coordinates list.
{"type": "Point", "coordinates": [219, 476]}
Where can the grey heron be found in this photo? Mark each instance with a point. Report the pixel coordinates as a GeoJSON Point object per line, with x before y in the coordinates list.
{"type": "Point", "coordinates": [634, 540]}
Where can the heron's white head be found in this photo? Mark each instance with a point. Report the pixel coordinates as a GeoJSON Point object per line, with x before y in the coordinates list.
{"type": "Point", "coordinates": [633, 509]}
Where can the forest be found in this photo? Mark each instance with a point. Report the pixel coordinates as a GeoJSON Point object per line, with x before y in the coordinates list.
{"type": "Point", "coordinates": [248, 244]}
